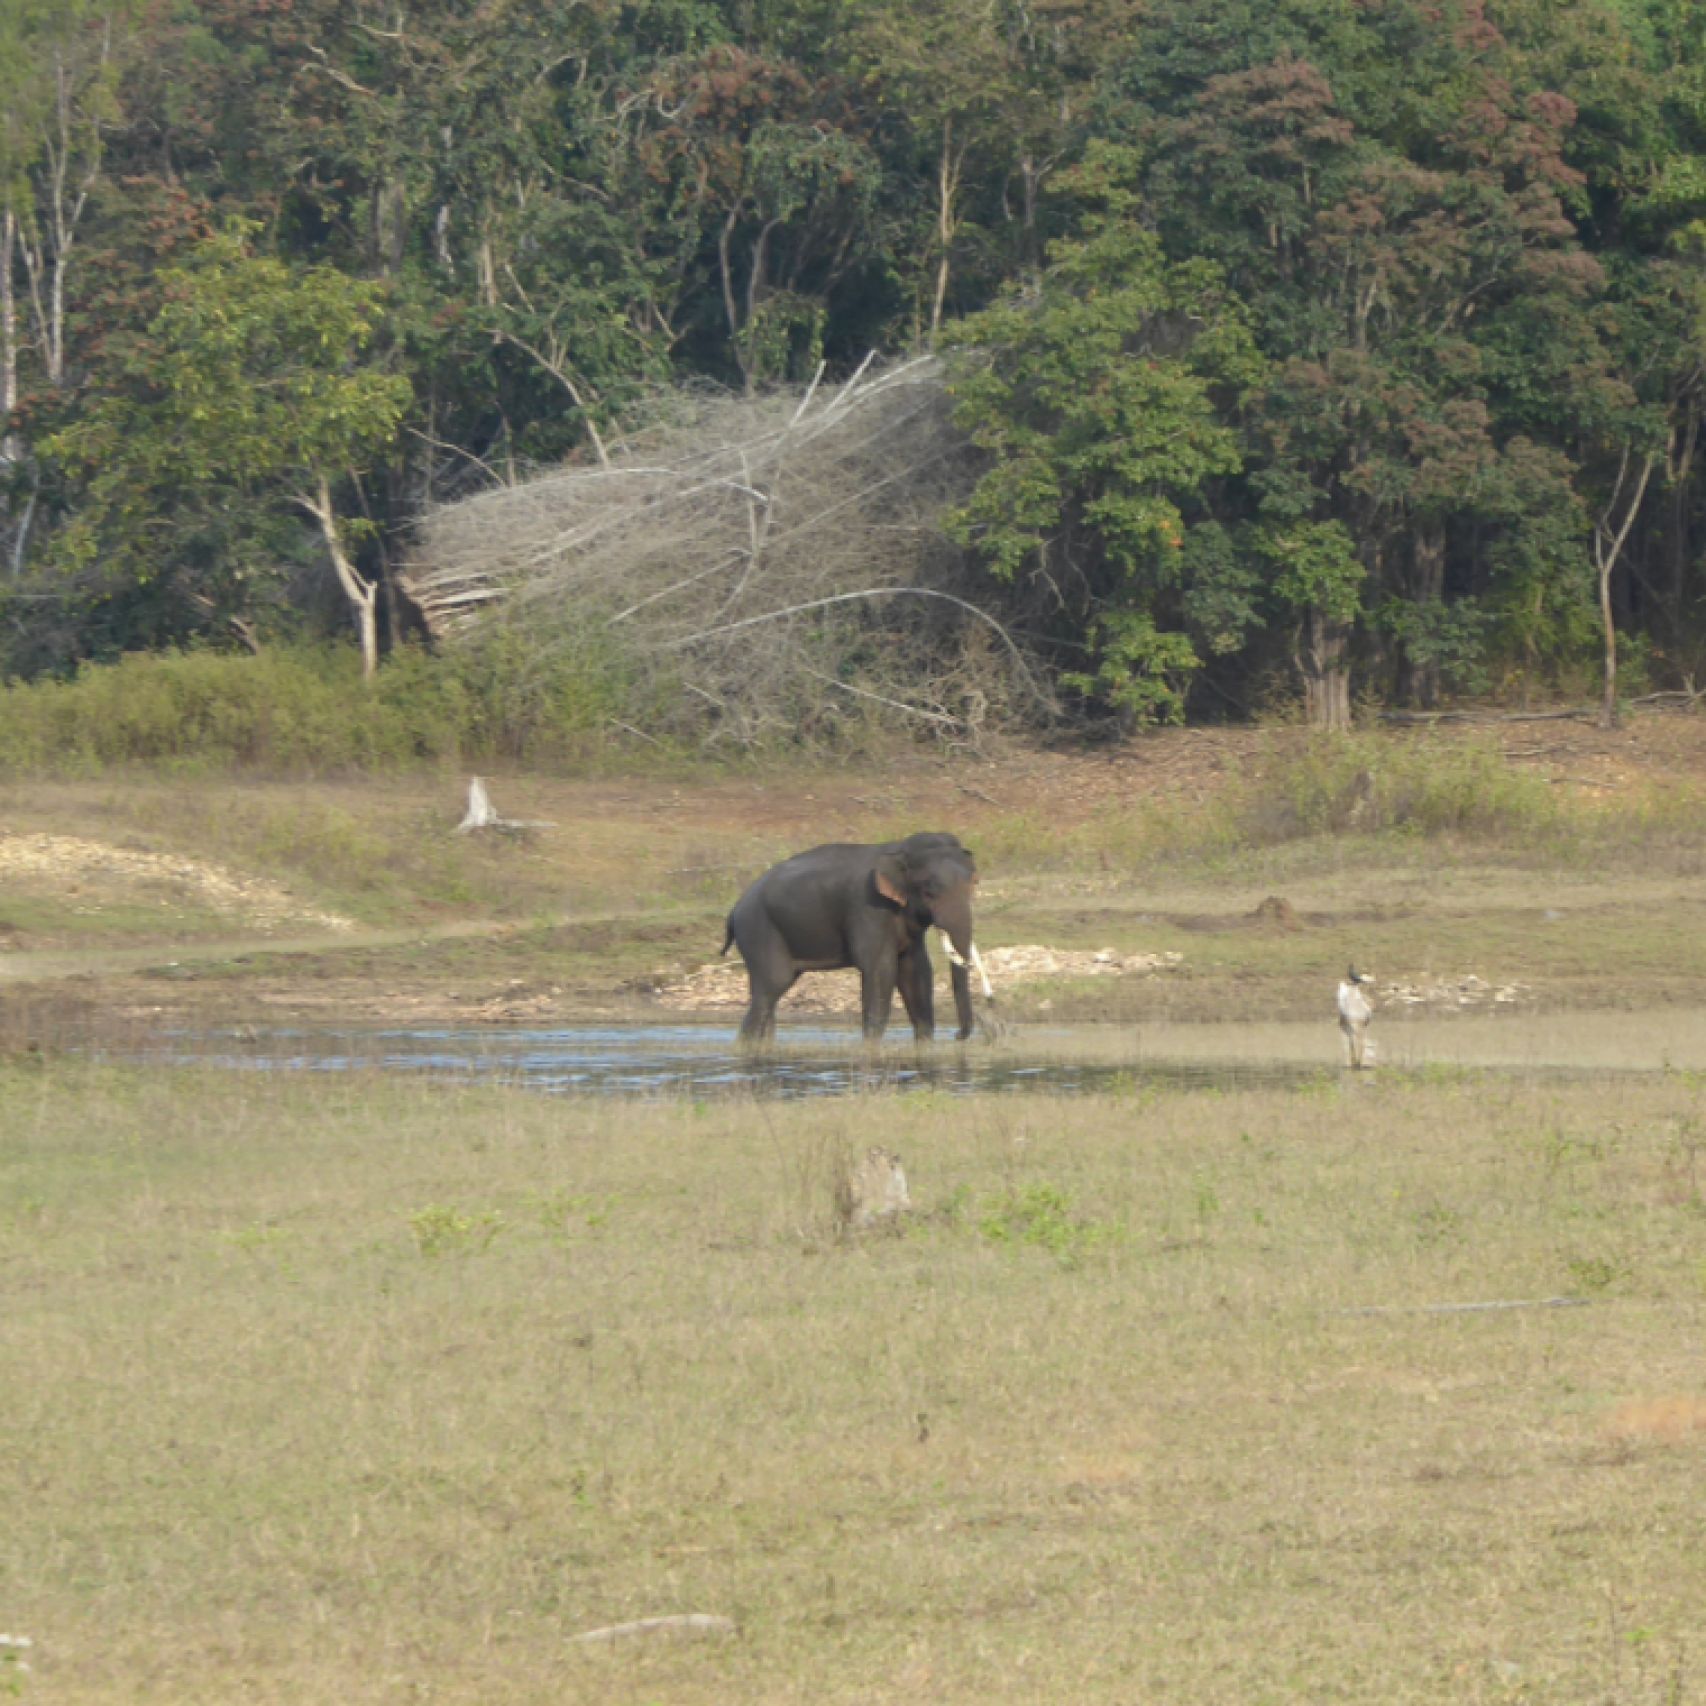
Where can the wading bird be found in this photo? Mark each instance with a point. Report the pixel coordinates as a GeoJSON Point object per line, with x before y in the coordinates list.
{"type": "Point", "coordinates": [1354, 1015]}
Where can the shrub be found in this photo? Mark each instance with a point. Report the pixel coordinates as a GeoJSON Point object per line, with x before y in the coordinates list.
{"type": "Point", "coordinates": [520, 698]}
{"type": "Point", "coordinates": [1042, 1217]}
{"type": "Point", "coordinates": [305, 709]}
{"type": "Point", "coordinates": [1364, 784]}
{"type": "Point", "coordinates": [443, 1231]}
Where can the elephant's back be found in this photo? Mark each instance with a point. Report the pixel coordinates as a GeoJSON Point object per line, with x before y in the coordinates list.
{"type": "Point", "coordinates": [834, 861]}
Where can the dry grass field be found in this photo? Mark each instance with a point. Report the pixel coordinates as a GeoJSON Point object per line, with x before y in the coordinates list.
{"type": "Point", "coordinates": [350, 1387]}
{"type": "Point", "coordinates": [363, 1390]}
{"type": "Point", "coordinates": [1571, 864]}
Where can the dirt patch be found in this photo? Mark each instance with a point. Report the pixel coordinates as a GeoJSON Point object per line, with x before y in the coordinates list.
{"type": "Point", "coordinates": [1275, 916]}
{"type": "Point", "coordinates": [722, 984]}
{"type": "Point", "coordinates": [66, 863]}
{"type": "Point", "coordinates": [519, 1003]}
{"type": "Point", "coordinates": [1668, 1421]}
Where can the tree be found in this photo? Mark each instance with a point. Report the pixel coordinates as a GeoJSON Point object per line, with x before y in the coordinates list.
{"type": "Point", "coordinates": [941, 70]}
{"type": "Point", "coordinates": [1635, 423]}
{"type": "Point", "coordinates": [986, 92]}
{"type": "Point", "coordinates": [766, 174]}
{"type": "Point", "coordinates": [1320, 579]}
{"type": "Point", "coordinates": [465, 154]}
{"type": "Point", "coordinates": [1099, 401]}
{"type": "Point", "coordinates": [58, 69]}
{"type": "Point", "coordinates": [1610, 534]}
{"type": "Point", "coordinates": [1390, 195]}
{"type": "Point", "coordinates": [251, 387]}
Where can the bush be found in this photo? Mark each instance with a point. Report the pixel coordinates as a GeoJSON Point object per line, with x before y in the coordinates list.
{"type": "Point", "coordinates": [519, 698]}
{"type": "Point", "coordinates": [1364, 784]}
{"type": "Point", "coordinates": [305, 709]}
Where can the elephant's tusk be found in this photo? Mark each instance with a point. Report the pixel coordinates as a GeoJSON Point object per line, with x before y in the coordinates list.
{"type": "Point", "coordinates": [956, 958]}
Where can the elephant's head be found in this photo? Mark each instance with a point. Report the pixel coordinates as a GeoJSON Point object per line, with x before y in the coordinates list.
{"type": "Point", "coordinates": [933, 878]}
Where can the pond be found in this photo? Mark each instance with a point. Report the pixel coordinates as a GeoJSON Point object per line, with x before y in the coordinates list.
{"type": "Point", "coordinates": [701, 1060]}
{"type": "Point", "coordinates": [695, 1061]}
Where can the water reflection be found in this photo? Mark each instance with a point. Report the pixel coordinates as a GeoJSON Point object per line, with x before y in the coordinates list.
{"type": "Point", "coordinates": [697, 1061]}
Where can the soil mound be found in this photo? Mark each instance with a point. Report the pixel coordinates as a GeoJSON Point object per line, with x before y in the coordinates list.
{"type": "Point", "coordinates": [1276, 913]}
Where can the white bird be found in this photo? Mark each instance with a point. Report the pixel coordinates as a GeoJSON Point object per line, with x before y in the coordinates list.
{"type": "Point", "coordinates": [1354, 1015]}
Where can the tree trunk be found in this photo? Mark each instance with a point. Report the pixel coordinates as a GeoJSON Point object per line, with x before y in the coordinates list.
{"type": "Point", "coordinates": [8, 333]}
{"type": "Point", "coordinates": [1030, 179]}
{"type": "Point", "coordinates": [1418, 678]}
{"type": "Point", "coordinates": [725, 269]}
{"type": "Point", "coordinates": [66, 201]}
{"type": "Point", "coordinates": [1608, 626]}
{"type": "Point", "coordinates": [487, 267]}
{"type": "Point", "coordinates": [1609, 537]}
{"type": "Point", "coordinates": [947, 221]}
{"type": "Point", "coordinates": [363, 594]}
{"type": "Point", "coordinates": [11, 450]}
{"type": "Point", "coordinates": [367, 634]}
{"type": "Point", "coordinates": [390, 231]}
{"type": "Point", "coordinates": [1326, 673]}
{"type": "Point", "coordinates": [1678, 474]}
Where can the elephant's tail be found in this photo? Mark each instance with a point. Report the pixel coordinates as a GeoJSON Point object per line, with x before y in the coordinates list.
{"type": "Point", "coordinates": [728, 939]}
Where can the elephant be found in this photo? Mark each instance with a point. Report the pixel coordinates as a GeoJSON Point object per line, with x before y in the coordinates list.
{"type": "Point", "coordinates": [859, 905]}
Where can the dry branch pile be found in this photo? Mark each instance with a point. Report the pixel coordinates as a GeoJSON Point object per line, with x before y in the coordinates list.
{"type": "Point", "coordinates": [761, 565]}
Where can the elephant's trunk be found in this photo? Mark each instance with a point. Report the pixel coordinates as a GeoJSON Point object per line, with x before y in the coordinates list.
{"type": "Point", "coordinates": [951, 914]}
{"type": "Point", "coordinates": [968, 955]}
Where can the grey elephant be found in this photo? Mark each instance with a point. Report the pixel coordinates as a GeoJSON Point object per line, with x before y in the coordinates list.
{"type": "Point", "coordinates": [859, 905]}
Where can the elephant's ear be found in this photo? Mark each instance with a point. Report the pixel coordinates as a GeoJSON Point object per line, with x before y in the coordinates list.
{"type": "Point", "coordinates": [890, 878]}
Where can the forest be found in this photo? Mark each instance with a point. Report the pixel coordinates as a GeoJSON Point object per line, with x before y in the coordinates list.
{"type": "Point", "coordinates": [1260, 358]}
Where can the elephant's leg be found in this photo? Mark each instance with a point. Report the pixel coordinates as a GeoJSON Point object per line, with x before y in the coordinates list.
{"type": "Point", "coordinates": [759, 1025]}
{"type": "Point", "coordinates": [916, 993]}
{"type": "Point", "coordinates": [770, 975]}
{"type": "Point", "coordinates": [876, 982]}
{"type": "Point", "coordinates": [961, 979]}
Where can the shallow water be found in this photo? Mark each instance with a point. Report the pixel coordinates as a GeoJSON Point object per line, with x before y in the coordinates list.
{"type": "Point", "coordinates": [694, 1061]}
{"type": "Point", "coordinates": [697, 1061]}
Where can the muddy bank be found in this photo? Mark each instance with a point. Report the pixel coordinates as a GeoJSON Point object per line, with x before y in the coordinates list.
{"type": "Point", "coordinates": [469, 984]}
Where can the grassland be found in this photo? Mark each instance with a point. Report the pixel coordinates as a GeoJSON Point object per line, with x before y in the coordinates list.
{"type": "Point", "coordinates": [355, 1389]}
{"type": "Point", "coordinates": [374, 1391]}
{"type": "Point", "coordinates": [1423, 858]}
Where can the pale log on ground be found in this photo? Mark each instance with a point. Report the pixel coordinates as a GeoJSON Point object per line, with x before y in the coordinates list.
{"type": "Point", "coordinates": [684, 1623]}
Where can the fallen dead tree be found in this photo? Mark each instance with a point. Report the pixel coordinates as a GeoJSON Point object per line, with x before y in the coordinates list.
{"type": "Point", "coordinates": [762, 566]}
